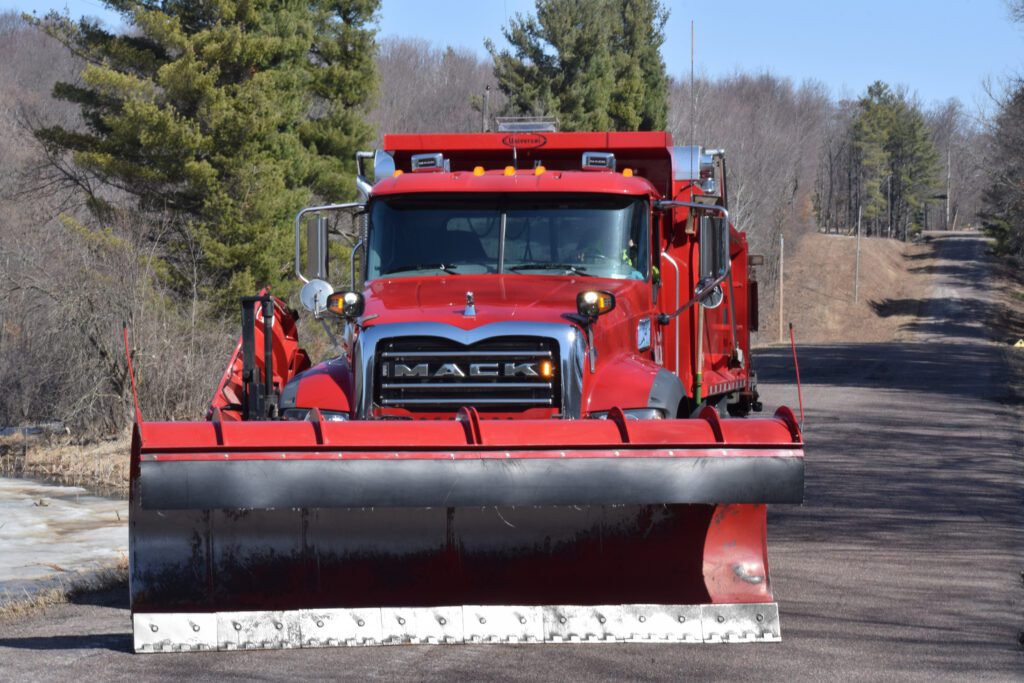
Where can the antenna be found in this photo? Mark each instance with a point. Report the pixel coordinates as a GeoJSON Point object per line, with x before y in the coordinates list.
{"type": "Point", "coordinates": [693, 101]}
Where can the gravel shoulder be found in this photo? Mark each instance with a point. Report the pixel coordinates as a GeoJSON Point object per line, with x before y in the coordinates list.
{"type": "Point", "coordinates": [904, 563]}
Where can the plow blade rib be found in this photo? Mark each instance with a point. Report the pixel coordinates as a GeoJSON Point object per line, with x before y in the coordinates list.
{"type": "Point", "coordinates": [254, 533]}
{"type": "Point", "coordinates": [460, 482]}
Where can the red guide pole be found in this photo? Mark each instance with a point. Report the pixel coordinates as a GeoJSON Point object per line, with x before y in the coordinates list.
{"type": "Point", "coordinates": [131, 374]}
{"type": "Point", "coordinates": [799, 393]}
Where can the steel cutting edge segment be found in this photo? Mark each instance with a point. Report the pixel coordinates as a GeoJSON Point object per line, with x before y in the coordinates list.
{"type": "Point", "coordinates": [340, 627]}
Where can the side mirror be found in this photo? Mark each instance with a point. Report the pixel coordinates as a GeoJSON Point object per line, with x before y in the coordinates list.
{"type": "Point", "coordinates": [383, 165]}
{"type": "Point", "coordinates": [714, 259]}
{"type": "Point", "coordinates": [714, 247]}
{"type": "Point", "coordinates": [316, 242]}
{"type": "Point", "coordinates": [714, 253]}
{"type": "Point", "coordinates": [316, 248]}
{"type": "Point", "coordinates": [315, 295]}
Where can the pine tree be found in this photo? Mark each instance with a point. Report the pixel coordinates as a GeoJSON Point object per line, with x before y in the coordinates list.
{"type": "Point", "coordinates": [595, 64]}
{"type": "Point", "coordinates": [640, 100]}
{"type": "Point", "coordinates": [228, 115]}
{"type": "Point", "coordinates": [913, 163]}
{"type": "Point", "coordinates": [869, 134]}
{"type": "Point", "coordinates": [892, 161]}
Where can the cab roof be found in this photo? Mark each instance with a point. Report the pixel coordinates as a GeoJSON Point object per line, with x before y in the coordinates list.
{"type": "Point", "coordinates": [496, 181]}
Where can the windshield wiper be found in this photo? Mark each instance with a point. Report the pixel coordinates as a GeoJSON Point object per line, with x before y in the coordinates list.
{"type": "Point", "coordinates": [421, 266]}
{"type": "Point", "coordinates": [574, 269]}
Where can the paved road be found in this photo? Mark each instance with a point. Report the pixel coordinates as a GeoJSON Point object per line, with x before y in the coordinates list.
{"type": "Point", "coordinates": [904, 563]}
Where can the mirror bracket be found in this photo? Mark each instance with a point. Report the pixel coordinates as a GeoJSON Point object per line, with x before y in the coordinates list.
{"type": "Point", "coordinates": [354, 208]}
{"type": "Point", "coordinates": [714, 246]}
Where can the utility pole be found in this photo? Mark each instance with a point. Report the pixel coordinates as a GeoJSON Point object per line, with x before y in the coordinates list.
{"type": "Point", "coordinates": [782, 254]}
{"type": "Point", "coordinates": [486, 109]}
{"type": "Point", "coordinates": [888, 204]}
{"type": "Point", "coordinates": [856, 269]}
{"type": "Point", "coordinates": [949, 160]}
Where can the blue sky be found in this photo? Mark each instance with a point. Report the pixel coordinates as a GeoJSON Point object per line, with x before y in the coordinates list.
{"type": "Point", "coordinates": [938, 48]}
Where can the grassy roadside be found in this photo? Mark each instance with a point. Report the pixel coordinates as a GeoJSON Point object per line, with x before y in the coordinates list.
{"type": "Point", "coordinates": [820, 300]}
{"type": "Point", "coordinates": [1007, 325]}
{"type": "Point", "coordinates": [16, 606]}
{"type": "Point", "coordinates": [101, 468]}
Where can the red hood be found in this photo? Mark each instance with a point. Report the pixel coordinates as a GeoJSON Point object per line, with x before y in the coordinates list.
{"type": "Point", "coordinates": [538, 298]}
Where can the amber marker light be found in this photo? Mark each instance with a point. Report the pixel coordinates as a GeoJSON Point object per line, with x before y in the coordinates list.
{"type": "Point", "coordinates": [627, 173]}
{"type": "Point", "coordinates": [478, 171]}
{"type": "Point", "coordinates": [539, 170]}
{"type": "Point", "coordinates": [397, 173]}
{"type": "Point", "coordinates": [510, 170]}
{"type": "Point", "coordinates": [547, 369]}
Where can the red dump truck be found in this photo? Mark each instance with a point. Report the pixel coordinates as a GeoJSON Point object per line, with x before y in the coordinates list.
{"type": "Point", "coordinates": [534, 429]}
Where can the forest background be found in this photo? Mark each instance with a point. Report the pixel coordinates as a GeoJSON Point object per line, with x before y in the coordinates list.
{"type": "Point", "coordinates": [120, 204]}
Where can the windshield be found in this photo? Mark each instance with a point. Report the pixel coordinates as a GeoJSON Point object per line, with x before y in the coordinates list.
{"type": "Point", "coordinates": [592, 235]}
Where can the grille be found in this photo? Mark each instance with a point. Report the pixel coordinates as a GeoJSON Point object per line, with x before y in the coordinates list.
{"type": "Point", "coordinates": [429, 374]}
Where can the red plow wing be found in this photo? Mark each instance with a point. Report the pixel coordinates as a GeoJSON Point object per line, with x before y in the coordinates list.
{"type": "Point", "coordinates": [289, 534]}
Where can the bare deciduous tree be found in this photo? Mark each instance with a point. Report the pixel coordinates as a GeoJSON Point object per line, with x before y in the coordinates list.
{"type": "Point", "coordinates": [426, 89]}
{"type": "Point", "coordinates": [773, 133]}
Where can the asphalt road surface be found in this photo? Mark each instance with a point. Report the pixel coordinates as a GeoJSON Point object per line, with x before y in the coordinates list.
{"type": "Point", "coordinates": [903, 564]}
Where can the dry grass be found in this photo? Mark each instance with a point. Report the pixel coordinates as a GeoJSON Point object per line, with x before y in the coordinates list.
{"type": "Point", "coordinates": [31, 602]}
{"type": "Point", "coordinates": [1007, 326]}
{"type": "Point", "coordinates": [101, 467]}
{"type": "Point", "coordinates": [1008, 292]}
{"type": "Point", "coordinates": [819, 289]}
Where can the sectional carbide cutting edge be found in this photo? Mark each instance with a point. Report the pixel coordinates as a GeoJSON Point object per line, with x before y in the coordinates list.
{"type": "Point", "coordinates": [497, 624]}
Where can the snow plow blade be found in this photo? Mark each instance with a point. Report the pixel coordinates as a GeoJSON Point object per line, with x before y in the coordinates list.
{"type": "Point", "coordinates": [308, 534]}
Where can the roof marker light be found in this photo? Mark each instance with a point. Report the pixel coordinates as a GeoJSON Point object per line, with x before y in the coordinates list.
{"type": "Point", "coordinates": [598, 161]}
{"type": "Point", "coordinates": [510, 170]}
{"type": "Point", "coordinates": [432, 162]}
{"type": "Point", "coordinates": [478, 170]}
{"type": "Point", "coordinates": [397, 173]}
{"type": "Point", "coordinates": [539, 170]}
{"type": "Point", "coordinates": [627, 173]}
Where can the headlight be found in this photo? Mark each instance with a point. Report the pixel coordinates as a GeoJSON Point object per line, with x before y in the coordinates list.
{"type": "Point", "coordinates": [593, 303]}
{"type": "Point", "coordinates": [347, 303]}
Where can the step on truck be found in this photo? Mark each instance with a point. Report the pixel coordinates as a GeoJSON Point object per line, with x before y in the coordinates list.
{"type": "Point", "coordinates": [534, 429]}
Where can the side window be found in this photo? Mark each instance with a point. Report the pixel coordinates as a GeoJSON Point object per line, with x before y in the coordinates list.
{"type": "Point", "coordinates": [642, 239]}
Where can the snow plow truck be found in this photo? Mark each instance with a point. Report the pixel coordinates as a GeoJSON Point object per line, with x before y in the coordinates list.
{"type": "Point", "coordinates": [535, 427]}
